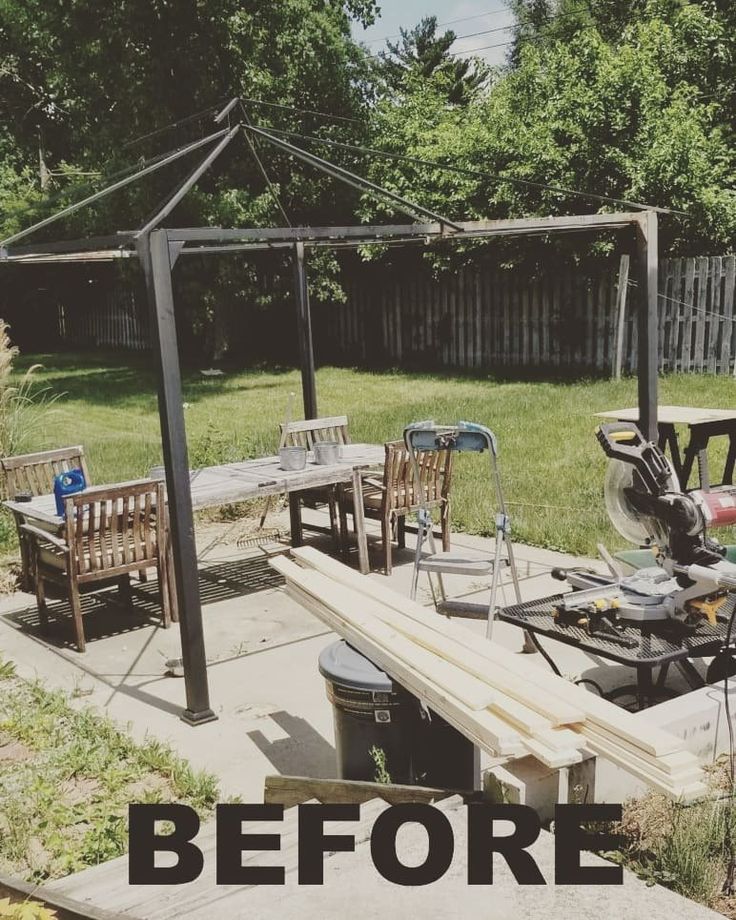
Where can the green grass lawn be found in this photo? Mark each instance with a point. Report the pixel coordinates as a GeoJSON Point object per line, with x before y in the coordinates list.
{"type": "Point", "coordinates": [551, 463]}
{"type": "Point", "coordinates": [66, 778]}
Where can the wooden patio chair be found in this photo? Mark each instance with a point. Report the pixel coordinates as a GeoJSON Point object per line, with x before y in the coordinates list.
{"type": "Point", "coordinates": [35, 474]}
{"type": "Point", "coordinates": [304, 434]}
{"type": "Point", "coordinates": [109, 533]}
{"type": "Point", "coordinates": [391, 499]}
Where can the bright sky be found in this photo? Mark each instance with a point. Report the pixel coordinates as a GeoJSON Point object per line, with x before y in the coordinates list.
{"type": "Point", "coordinates": [473, 16]}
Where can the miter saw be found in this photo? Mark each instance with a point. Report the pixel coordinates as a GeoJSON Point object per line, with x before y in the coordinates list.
{"type": "Point", "coordinates": [689, 579]}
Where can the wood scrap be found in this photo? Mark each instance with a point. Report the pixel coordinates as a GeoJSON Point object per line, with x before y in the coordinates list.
{"type": "Point", "coordinates": [293, 790]}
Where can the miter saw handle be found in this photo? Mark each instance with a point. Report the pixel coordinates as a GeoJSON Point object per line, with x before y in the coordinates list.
{"type": "Point", "coordinates": [624, 441]}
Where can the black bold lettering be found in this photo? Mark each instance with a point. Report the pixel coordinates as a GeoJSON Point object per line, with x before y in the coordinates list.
{"type": "Point", "coordinates": [314, 843]}
{"type": "Point", "coordinates": [383, 844]}
{"type": "Point", "coordinates": [144, 843]}
{"type": "Point", "coordinates": [231, 842]}
{"type": "Point", "coordinates": [571, 838]}
{"type": "Point", "coordinates": [482, 843]}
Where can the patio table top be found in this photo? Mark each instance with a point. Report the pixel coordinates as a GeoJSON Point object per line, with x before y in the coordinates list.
{"type": "Point", "coordinates": [234, 482]}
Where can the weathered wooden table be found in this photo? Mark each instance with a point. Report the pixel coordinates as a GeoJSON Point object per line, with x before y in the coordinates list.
{"type": "Point", "coordinates": [249, 479]}
{"type": "Point", "coordinates": [703, 425]}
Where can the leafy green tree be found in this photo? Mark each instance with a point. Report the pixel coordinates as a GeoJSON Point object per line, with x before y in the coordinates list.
{"type": "Point", "coordinates": [625, 118]}
{"type": "Point", "coordinates": [81, 80]}
{"type": "Point", "coordinates": [422, 55]}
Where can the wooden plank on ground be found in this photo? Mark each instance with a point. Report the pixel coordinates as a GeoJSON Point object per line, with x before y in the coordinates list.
{"type": "Point", "coordinates": [294, 790]}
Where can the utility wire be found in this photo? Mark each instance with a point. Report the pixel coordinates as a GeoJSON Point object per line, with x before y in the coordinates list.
{"type": "Point", "coordinates": [171, 125]}
{"type": "Point", "coordinates": [447, 22]}
{"type": "Point", "coordinates": [572, 12]}
{"type": "Point", "coordinates": [691, 306]}
{"type": "Point", "coordinates": [476, 174]}
{"type": "Point", "coordinates": [254, 151]}
{"type": "Point", "coordinates": [540, 35]}
{"type": "Point", "coordinates": [289, 108]}
{"type": "Point", "coordinates": [564, 15]}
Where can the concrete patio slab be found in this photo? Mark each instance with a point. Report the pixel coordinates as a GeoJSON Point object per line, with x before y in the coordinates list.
{"type": "Point", "coordinates": [273, 714]}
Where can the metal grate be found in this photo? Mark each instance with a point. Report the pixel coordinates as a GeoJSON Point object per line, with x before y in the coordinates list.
{"type": "Point", "coordinates": [657, 643]}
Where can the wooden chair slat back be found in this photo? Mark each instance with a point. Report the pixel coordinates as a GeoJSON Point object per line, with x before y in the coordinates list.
{"type": "Point", "coordinates": [435, 471]}
{"type": "Point", "coordinates": [114, 526]}
{"type": "Point", "coordinates": [35, 473]}
{"type": "Point", "coordinates": [305, 433]}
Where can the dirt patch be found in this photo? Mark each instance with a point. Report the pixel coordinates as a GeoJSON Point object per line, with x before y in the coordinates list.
{"type": "Point", "coordinates": [147, 788]}
{"type": "Point", "coordinates": [12, 751]}
{"type": "Point", "coordinates": [79, 789]}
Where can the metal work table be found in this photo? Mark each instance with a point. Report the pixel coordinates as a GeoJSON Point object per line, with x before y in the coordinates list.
{"type": "Point", "coordinates": [703, 424]}
{"type": "Point", "coordinates": [657, 644]}
{"type": "Point", "coordinates": [249, 479]}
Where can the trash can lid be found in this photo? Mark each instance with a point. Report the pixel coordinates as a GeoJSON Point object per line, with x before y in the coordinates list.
{"type": "Point", "coordinates": [342, 664]}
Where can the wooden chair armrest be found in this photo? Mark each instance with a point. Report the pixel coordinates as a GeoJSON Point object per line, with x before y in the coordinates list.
{"type": "Point", "coordinates": [376, 483]}
{"type": "Point", "coordinates": [44, 535]}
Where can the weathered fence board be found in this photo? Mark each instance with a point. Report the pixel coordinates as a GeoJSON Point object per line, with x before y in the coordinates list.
{"type": "Point", "coordinates": [494, 318]}
{"type": "Point", "coordinates": [485, 319]}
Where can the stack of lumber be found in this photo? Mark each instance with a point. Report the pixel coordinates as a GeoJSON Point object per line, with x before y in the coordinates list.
{"type": "Point", "coordinates": [505, 703]}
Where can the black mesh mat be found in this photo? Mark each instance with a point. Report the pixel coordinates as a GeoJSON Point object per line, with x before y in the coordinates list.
{"type": "Point", "coordinates": [657, 642]}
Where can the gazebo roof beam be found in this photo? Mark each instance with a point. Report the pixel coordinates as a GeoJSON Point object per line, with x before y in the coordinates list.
{"type": "Point", "coordinates": [368, 233]}
{"type": "Point", "coordinates": [70, 209]}
{"type": "Point", "coordinates": [89, 244]}
{"type": "Point", "coordinates": [344, 175]}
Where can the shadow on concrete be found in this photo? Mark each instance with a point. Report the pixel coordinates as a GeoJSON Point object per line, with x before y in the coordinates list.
{"type": "Point", "coordinates": [106, 614]}
{"type": "Point", "coordinates": [619, 682]}
{"type": "Point", "coordinates": [303, 752]}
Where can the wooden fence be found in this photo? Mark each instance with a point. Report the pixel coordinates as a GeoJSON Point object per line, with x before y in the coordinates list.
{"type": "Point", "coordinates": [502, 319]}
{"type": "Point", "coordinates": [477, 320]}
{"type": "Point", "coordinates": [116, 318]}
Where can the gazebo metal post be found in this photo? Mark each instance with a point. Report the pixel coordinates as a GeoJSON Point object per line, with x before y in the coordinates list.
{"type": "Point", "coordinates": [648, 323]}
{"type": "Point", "coordinates": [304, 332]}
{"type": "Point", "coordinates": [154, 253]}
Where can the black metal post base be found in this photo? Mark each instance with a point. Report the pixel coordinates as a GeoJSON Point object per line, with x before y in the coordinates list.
{"type": "Point", "coordinates": [198, 718]}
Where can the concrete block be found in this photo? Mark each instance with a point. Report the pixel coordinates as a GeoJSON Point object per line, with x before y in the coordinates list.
{"type": "Point", "coordinates": [526, 781]}
{"type": "Point", "coordinates": [699, 718]}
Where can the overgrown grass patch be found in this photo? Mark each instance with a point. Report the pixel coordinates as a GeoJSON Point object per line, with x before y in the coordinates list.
{"type": "Point", "coordinates": [688, 848]}
{"type": "Point", "coordinates": [67, 777]}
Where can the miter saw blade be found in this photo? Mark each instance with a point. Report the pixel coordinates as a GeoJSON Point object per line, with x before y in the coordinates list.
{"type": "Point", "coordinates": [639, 529]}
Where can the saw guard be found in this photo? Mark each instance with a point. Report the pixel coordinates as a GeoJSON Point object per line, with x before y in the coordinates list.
{"type": "Point", "coordinates": [637, 528]}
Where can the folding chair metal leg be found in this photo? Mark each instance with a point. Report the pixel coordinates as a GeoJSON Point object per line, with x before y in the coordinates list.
{"type": "Point", "coordinates": [494, 586]}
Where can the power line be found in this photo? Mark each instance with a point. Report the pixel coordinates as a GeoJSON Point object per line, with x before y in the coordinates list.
{"type": "Point", "coordinates": [540, 35]}
{"type": "Point", "coordinates": [173, 124]}
{"type": "Point", "coordinates": [289, 108]}
{"type": "Point", "coordinates": [476, 174]}
{"type": "Point", "coordinates": [566, 15]}
{"type": "Point", "coordinates": [447, 22]}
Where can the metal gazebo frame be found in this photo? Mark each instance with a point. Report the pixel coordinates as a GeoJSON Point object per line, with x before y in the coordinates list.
{"type": "Point", "coordinates": [158, 251]}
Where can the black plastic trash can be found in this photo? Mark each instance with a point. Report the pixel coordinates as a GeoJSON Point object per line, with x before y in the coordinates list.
{"type": "Point", "coordinates": [370, 712]}
{"type": "Point", "coordinates": [442, 757]}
